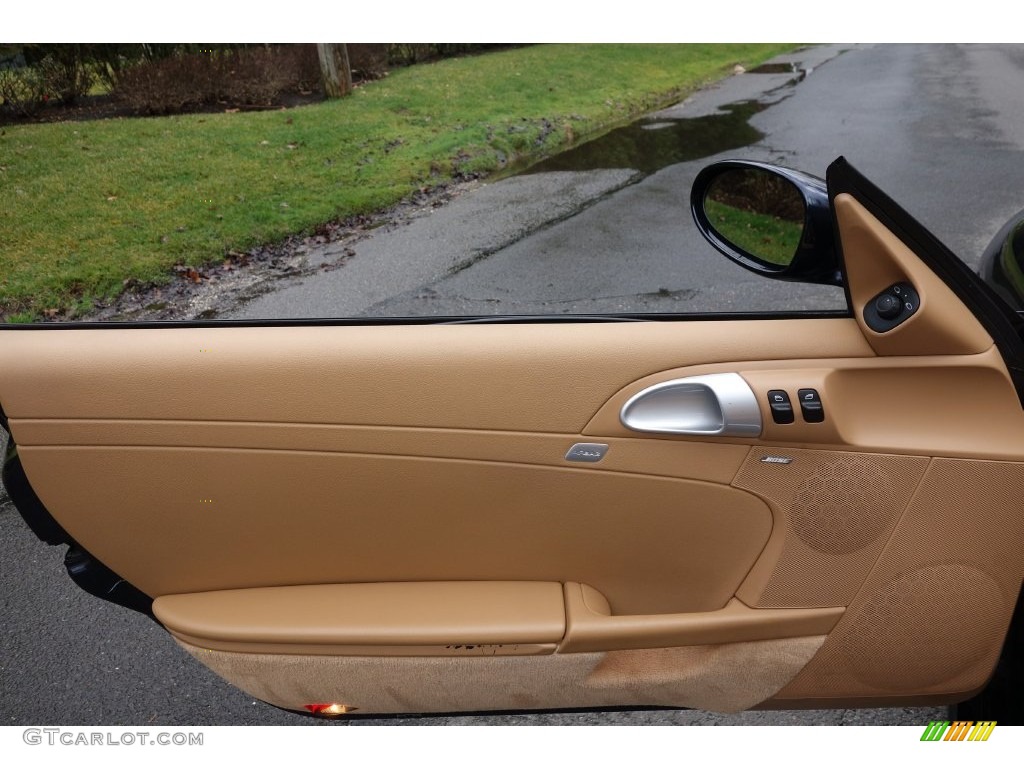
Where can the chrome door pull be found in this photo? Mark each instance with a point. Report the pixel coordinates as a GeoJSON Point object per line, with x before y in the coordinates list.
{"type": "Point", "coordinates": [719, 404]}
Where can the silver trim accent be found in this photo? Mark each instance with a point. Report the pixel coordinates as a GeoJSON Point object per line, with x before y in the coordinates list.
{"type": "Point", "coordinates": [719, 404]}
{"type": "Point", "coordinates": [591, 452]}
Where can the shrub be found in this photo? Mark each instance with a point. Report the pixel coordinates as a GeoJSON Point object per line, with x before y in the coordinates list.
{"type": "Point", "coordinates": [369, 61]}
{"type": "Point", "coordinates": [163, 78]}
{"type": "Point", "coordinates": [65, 76]}
{"type": "Point", "coordinates": [252, 76]}
{"type": "Point", "coordinates": [162, 87]}
{"type": "Point", "coordinates": [22, 91]}
{"type": "Point", "coordinates": [59, 74]}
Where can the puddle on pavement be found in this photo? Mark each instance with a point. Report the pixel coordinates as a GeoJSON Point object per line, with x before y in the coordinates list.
{"type": "Point", "coordinates": [650, 145]}
{"type": "Point", "coordinates": [783, 68]}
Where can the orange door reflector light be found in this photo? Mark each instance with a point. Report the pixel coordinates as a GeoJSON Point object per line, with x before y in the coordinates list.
{"type": "Point", "coordinates": [330, 710]}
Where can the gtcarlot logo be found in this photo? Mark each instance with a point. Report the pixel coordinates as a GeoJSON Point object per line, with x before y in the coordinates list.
{"type": "Point", "coordinates": [68, 737]}
{"type": "Point", "coordinates": [961, 730]}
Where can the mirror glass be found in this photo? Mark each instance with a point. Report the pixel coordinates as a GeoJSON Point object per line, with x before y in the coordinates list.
{"type": "Point", "coordinates": [758, 212]}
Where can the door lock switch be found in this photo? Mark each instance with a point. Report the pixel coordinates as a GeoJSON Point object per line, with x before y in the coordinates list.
{"type": "Point", "coordinates": [810, 405]}
{"type": "Point", "coordinates": [781, 407]}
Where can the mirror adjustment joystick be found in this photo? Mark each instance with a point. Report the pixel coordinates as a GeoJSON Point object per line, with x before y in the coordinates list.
{"type": "Point", "coordinates": [891, 307]}
{"type": "Point", "coordinates": [888, 306]}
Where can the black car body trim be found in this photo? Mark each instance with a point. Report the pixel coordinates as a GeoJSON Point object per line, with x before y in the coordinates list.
{"type": "Point", "coordinates": [822, 314]}
{"type": "Point", "coordinates": [36, 516]}
{"type": "Point", "coordinates": [84, 569]}
{"type": "Point", "coordinates": [1000, 262]}
{"type": "Point", "coordinates": [98, 580]}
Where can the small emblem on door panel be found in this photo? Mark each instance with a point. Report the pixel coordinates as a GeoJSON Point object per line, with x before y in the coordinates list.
{"type": "Point", "coordinates": [587, 452]}
{"type": "Point", "coordinates": [776, 460]}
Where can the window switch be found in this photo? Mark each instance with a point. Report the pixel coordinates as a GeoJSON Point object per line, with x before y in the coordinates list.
{"type": "Point", "coordinates": [810, 405]}
{"type": "Point", "coordinates": [781, 407]}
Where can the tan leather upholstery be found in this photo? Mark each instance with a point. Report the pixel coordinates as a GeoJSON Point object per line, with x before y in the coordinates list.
{"type": "Point", "coordinates": [385, 517]}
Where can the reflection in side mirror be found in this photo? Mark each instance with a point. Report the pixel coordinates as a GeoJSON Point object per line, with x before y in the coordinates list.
{"type": "Point", "coordinates": [759, 212]}
{"type": "Point", "coordinates": [771, 220]}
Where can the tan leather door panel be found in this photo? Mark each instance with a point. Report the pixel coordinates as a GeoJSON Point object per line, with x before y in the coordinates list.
{"type": "Point", "coordinates": [546, 378]}
{"type": "Point", "coordinates": [253, 457]}
{"type": "Point", "coordinates": [388, 517]}
{"type": "Point", "coordinates": [177, 520]}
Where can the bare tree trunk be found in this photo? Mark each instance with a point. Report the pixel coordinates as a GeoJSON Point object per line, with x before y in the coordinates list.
{"type": "Point", "coordinates": [334, 69]}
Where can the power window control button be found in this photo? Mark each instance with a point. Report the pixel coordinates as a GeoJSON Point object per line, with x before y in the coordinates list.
{"type": "Point", "coordinates": [781, 407]}
{"type": "Point", "coordinates": [810, 405]}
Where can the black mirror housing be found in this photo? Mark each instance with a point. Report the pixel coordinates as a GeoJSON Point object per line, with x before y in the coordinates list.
{"type": "Point", "coordinates": [815, 258]}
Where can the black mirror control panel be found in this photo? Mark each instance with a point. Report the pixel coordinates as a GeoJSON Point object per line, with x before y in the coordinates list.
{"type": "Point", "coordinates": [891, 307]}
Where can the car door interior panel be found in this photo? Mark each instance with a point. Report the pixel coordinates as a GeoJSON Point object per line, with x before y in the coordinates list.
{"type": "Point", "coordinates": [214, 519]}
{"type": "Point", "coordinates": [875, 260]}
{"type": "Point", "coordinates": [444, 517]}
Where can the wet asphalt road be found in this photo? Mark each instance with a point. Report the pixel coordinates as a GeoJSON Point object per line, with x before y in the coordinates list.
{"type": "Point", "coordinates": [941, 128]}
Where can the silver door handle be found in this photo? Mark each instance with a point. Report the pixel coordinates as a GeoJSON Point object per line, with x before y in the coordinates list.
{"type": "Point", "coordinates": [716, 404]}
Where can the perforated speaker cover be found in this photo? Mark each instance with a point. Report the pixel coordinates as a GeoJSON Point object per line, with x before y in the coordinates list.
{"type": "Point", "coordinates": [833, 512]}
{"type": "Point", "coordinates": [932, 614]}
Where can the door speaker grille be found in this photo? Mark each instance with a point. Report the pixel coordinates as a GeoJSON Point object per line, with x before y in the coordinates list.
{"type": "Point", "coordinates": [833, 512]}
{"type": "Point", "coordinates": [912, 633]}
{"type": "Point", "coordinates": [931, 615]}
{"type": "Point", "coordinates": [844, 506]}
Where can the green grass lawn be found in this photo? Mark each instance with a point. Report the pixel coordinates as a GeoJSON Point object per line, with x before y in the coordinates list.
{"type": "Point", "coordinates": [86, 206]}
{"type": "Point", "coordinates": [769, 238]}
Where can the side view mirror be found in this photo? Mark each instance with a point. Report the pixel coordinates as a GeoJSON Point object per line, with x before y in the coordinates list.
{"type": "Point", "coordinates": [771, 220]}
